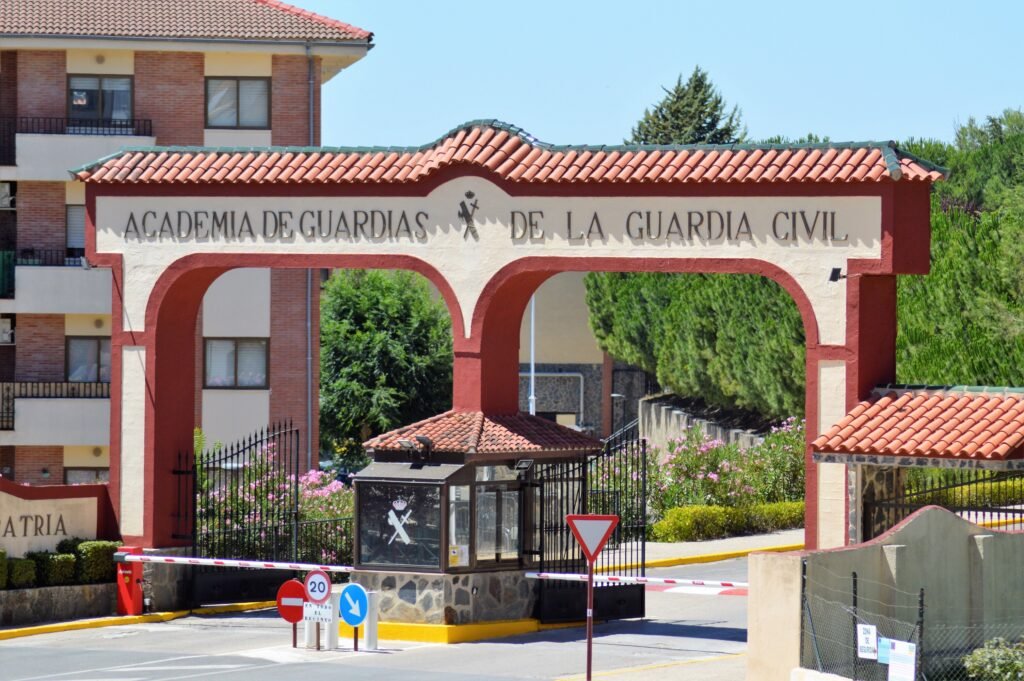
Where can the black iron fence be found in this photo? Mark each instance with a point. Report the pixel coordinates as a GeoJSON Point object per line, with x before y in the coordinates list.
{"type": "Point", "coordinates": [48, 257]}
{"type": "Point", "coordinates": [12, 390]}
{"type": "Point", "coordinates": [984, 497]}
{"type": "Point", "coordinates": [612, 482]}
{"type": "Point", "coordinates": [6, 273]}
{"type": "Point", "coordinates": [10, 126]}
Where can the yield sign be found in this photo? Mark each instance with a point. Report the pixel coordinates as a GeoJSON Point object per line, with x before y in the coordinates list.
{"type": "Point", "coordinates": [592, 532]}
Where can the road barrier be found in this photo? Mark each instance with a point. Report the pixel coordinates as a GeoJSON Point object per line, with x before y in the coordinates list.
{"type": "Point", "coordinates": [223, 562]}
{"type": "Point", "coordinates": [622, 579]}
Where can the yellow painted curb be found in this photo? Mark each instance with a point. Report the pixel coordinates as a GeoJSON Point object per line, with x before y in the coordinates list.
{"type": "Point", "coordinates": [705, 558]}
{"type": "Point", "coordinates": [234, 607]}
{"type": "Point", "coordinates": [6, 634]}
{"type": "Point", "coordinates": [448, 633]}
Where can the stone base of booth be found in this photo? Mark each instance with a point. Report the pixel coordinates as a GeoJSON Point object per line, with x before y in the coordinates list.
{"type": "Point", "coordinates": [447, 599]}
{"type": "Point", "coordinates": [167, 586]}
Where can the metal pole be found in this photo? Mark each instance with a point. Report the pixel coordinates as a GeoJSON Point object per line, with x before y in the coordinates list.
{"type": "Point", "coordinates": [295, 634]}
{"type": "Point", "coordinates": [856, 647]}
{"type": "Point", "coordinates": [533, 349]}
{"type": "Point", "coordinates": [919, 673]}
{"type": "Point", "coordinates": [590, 618]}
{"type": "Point", "coordinates": [355, 639]}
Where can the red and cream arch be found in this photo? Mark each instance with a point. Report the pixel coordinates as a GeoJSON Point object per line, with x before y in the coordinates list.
{"type": "Point", "coordinates": [487, 213]}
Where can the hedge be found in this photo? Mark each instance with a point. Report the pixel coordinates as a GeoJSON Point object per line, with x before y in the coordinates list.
{"type": "Point", "coordinates": [3, 569]}
{"type": "Point", "coordinates": [697, 523]}
{"type": "Point", "coordinates": [21, 573]}
{"type": "Point", "coordinates": [70, 545]}
{"type": "Point", "coordinates": [53, 569]}
{"type": "Point", "coordinates": [96, 561]}
{"type": "Point", "coordinates": [997, 661]}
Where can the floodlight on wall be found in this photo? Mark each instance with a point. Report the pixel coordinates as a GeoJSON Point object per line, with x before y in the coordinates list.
{"type": "Point", "coordinates": [406, 444]}
{"type": "Point", "coordinates": [426, 442]}
{"type": "Point", "coordinates": [836, 274]}
{"type": "Point", "coordinates": [524, 464]}
{"type": "Point", "coordinates": [45, 473]}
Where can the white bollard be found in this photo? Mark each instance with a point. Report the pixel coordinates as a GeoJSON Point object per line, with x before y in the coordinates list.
{"type": "Point", "coordinates": [370, 625]}
{"type": "Point", "coordinates": [332, 628]}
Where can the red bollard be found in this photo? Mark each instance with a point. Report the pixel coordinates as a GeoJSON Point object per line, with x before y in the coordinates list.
{"type": "Point", "coordinates": [129, 584]}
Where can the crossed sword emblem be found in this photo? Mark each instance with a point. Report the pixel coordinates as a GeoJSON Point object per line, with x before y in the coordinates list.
{"type": "Point", "coordinates": [399, 525]}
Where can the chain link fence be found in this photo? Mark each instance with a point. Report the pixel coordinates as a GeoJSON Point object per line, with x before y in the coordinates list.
{"type": "Point", "coordinates": [829, 636]}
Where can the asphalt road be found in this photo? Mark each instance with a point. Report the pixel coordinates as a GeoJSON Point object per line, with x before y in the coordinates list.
{"type": "Point", "coordinates": [686, 635]}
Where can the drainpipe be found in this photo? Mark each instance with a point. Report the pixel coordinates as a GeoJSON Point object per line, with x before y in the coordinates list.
{"type": "Point", "coordinates": [533, 372]}
{"type": "Point", "coordinates": [309, 291]}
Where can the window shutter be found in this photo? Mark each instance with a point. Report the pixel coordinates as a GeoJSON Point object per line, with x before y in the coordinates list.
{"type": "Point", "coordinates": [76, 226]}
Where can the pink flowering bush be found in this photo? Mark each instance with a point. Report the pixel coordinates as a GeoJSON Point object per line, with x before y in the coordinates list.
{"type": "Point", "coordinates": [698, 470]}
{"type": "Point", "coordinates": [322, 497]}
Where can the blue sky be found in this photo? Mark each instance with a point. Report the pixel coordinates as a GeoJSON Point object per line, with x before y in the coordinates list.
{"type": "Point", "coordinates": [575, 72]}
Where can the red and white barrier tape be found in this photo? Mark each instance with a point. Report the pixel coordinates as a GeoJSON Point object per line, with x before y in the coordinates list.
{"type": "Point", "coordinates": [622, 579]}
{"type": "Point", "coordinates": [221, 562]}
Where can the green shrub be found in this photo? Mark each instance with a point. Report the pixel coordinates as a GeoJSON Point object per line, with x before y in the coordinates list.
{"type": "Point", "coordinates": [697, 523]}
{"type": "Point", "coordinates": [69, 545]}
{"type": "Point", "coordinates": [3, 569]}
{"type": "Point", "coordinates": [41, 559]}
{"type": "Point", "coordinates": [57, 570]}
{"type": "Point", "coordinates": [96, 561]}
{"type": "Point", "coordinates": [999, 660]}
{"type": "Point", "coordinates": [21, 573]}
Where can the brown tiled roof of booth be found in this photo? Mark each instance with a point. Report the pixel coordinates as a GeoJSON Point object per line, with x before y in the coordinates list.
{"type": "Point", "coordinates": [473, 432]}
{"type": "Point", "coordinates": [173, 19]}
{"type": "Point", "coordinates": [512, 154]}
{"type": "Point", "coordinates": [961, 423]}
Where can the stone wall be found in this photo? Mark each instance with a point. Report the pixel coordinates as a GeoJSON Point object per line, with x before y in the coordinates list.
{"type": "Point", "coordinates": [450, 599]}
{"type": "Point", "coordinates": [56, 604]}
{"type": "Point", "coordinates": [167, 586]}
{"type": "Point", "coordinates": [664, 417]}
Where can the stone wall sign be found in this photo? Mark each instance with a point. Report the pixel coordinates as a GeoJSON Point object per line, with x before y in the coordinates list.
{"type": "Point", "coordinates": [39, 524]}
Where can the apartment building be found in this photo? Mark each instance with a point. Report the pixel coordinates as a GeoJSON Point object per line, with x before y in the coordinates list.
{"type": "Point", "coordinates": [83, 79]}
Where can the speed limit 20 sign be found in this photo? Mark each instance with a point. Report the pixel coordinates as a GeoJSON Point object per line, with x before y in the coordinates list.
{"type": "Point", "coordinates": [318, 586]}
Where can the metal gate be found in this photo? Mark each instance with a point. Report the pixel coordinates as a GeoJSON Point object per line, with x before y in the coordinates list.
{"type": "Point", "coordinates": [984, 497]}
{"type": "Point", "coordinates": [612, 482]}
{"type": "Point", "coordinates": [242, 502]}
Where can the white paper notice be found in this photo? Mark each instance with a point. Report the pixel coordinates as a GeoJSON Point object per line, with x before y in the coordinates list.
{"type": "Point", "coordinates": [867, 642]}
{"type": "Point", "coordinates": [902, 661]}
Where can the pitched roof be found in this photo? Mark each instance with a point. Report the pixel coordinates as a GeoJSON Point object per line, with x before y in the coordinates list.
{"type": "Point", "coordinates": [512, 154]}
{"type": "Point", "coordinates": [974, 423]}
{"type": "Point", "coordinates": [170, 19]}
{"type": "Point", "coordinates": [473, 432]}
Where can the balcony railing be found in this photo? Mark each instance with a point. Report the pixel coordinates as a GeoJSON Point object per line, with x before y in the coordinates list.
{"type": "Point", "coordinates": [6, 274]}
{"type": "Point", "coordinates": [48, 257]}
{"type": "Point", "coordinates": [10, 126]}
{"type": "Point", "coordinates": [12, 390]}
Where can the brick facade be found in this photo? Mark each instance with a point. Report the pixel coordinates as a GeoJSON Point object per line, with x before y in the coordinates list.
{"type": "Point", "coordinates": [170, 91]}
{"type": "Point", "coordinates": [32, 460]}
{"type": "Point", "coordinates": [39, 351]}
{"type": "Point", "coordinates": [8, 84]}
{"type": "Point", "coordinates": [41, 215]}
{"type": "Point", "coordinates": [289, 101]}
{"type": "Point", "coordinates": [288, 351]}
{"type": "Point", "coordinates": [42, 83]}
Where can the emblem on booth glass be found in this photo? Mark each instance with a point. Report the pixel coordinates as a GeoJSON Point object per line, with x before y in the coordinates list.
{"type": "Point", "coordinates": [466, 212]}
{"type": "Point", "coordinates": [399, 523]}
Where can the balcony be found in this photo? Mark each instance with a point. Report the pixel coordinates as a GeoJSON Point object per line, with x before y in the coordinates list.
{"type": "Point", "coordinates": [52, 281]}
{"type": "Point", "coordinates": [29, 410]}
{"type": "Point", "coordinates": [42, 150]}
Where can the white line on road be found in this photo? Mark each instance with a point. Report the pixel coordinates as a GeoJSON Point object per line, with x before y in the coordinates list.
{"type": "Point", "coordinates": [108, 669]}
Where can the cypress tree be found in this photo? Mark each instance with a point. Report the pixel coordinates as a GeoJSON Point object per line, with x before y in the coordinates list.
{"type": "Point", "coordinates": [694, 113]}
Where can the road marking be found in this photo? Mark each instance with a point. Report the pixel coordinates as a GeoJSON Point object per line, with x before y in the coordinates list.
{"type": "Point", "coordinates": [144, 667]}
{"type": "Point", "coordinates": [107, 669]}
{"type": "Point", "coordinates": [246, 668]}
{"type": "Point", "coordinates": [697, 590]}
{"type": "Point", "coordinates": [649, 667]}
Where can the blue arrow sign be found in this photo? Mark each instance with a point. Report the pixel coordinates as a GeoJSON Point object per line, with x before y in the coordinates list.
{"type": "Point", "coordinates": [353, 605]}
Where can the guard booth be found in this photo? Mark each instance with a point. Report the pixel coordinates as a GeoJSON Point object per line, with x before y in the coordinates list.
{"type": "Point", "coordinates": [455, 508]}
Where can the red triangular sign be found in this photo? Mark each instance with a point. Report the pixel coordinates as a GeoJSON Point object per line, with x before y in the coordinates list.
{"type": "Point", "coordinates": [592, 532]}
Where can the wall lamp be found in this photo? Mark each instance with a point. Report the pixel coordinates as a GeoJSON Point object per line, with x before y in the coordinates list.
{"type": "Point", "coordinates": [836, 274]}
{"type": "Point", "coordinates": [45, 473]}
{"type": "Point", "coordinates": [421, 453]}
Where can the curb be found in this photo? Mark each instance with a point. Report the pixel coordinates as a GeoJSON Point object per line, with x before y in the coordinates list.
{"type": "Point", "coordinates": [101, 622]}
{"type": "Point", "coordinates": [703, 558]}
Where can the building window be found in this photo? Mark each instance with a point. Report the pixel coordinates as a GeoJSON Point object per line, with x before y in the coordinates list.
{"type": "Point", "coordinates": [235, 363]}
{"type": "Point", "coordinates": [88, 359]}
{"type": "Point", "coordinates": [85, 476]}
{"type": "Point", "coordinates": [100, 98]}
{"type": "Point", "coordinates": [238, 103]}
{"type": "Point", "coordinates": [75, 231]}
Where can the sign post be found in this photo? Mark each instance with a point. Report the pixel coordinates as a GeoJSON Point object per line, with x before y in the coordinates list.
{"type": "Point", "coordinates": [291, 597]}
{"type": "Point", "coordinates": [318, 591]}
{"type": "Point", "coordinates": [592, 533]}
{"type": "Point", "coordinates": [353, 607]}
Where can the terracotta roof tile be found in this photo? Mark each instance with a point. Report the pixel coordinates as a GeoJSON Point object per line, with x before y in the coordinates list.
{"type": "Point", "coordinates": [513, 155]}
{"type": "Point", "coordinates": [168, 19]}
{"type": "Point", "coordinates": [965, 423]}
{"type": "Point", "coordinates": [475, 433]}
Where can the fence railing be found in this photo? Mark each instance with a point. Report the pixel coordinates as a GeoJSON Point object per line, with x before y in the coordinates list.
{"type": "Point", "coordinates": [12, 390]}
{"type": "Point", "coordinates": [47, 257]}
{"type": "Point", "coordinates": [6, 272]}
{"type": "Point", "coordinates": [11, 126]}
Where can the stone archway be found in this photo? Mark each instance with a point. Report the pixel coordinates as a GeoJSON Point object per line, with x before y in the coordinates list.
{"type": "Point", "coordinates": [488, 214]}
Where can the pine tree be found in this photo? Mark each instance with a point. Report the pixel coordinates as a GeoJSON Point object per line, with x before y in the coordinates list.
{"type": "Point", "coordinates": [694, 113]}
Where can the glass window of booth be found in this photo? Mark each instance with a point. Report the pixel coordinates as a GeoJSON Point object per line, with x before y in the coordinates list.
{"type": "Point", "coordinates": [400, 524]}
